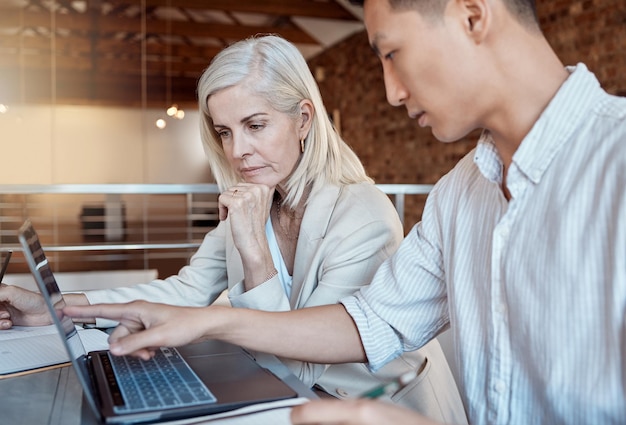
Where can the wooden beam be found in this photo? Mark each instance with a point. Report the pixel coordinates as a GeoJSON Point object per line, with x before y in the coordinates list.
{"type": "Point", "coordinates": [307, 8]}
{"type": "Point", "coordinates": [36, 52]}
{"type": "Point", "coordinates": [83, 23]}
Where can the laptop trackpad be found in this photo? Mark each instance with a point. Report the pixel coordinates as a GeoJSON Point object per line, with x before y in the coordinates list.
{"type": "Point", "coordinates": [235, 377]}
{"type": "Point", "coordinates": [207, 348]}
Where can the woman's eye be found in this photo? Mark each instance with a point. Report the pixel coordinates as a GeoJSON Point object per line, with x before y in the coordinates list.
{"type": "Point", "coordinates": [256, 126]}
{"type": "Point", "coordinates": [223, 134]}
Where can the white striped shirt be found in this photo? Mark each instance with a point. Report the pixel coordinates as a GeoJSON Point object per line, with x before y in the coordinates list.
{"type": "Point", "coordinates": [533, 289]}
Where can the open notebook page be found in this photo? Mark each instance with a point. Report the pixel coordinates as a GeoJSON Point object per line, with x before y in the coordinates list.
{"type": "Point", "coordinates": [25, 348]}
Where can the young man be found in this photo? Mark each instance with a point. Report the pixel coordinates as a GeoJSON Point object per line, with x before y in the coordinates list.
{"type": "Point", "coordinates": [521, 250]}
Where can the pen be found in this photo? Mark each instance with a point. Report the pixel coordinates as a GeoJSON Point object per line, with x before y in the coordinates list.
{"type": "Point", "coordinates": [5, 264]}
{"type": "Point", "coordinates": [389, 388]}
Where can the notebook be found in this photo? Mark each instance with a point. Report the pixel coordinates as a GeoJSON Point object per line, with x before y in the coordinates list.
{"type": "Point", "coordinates": [208, 377]}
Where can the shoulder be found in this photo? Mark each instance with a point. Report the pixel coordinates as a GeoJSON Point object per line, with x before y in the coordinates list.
{"type": "Point", "coordinates": [353, 206]}
{"type": "Point", "coordinates": [366, 200]}
{"type": "Point", "coordinates": [342, 210]}
{"type": "Point", "coordinates": [610, 122]}
{"type": "Point", "coordinates": [461, 177]}
{"type": "Point", "coordinates": [612, 107]}
{"type": "Point", "coordinates": [598, 145]}
{"type": "Point", "coordinates": [363, 192]}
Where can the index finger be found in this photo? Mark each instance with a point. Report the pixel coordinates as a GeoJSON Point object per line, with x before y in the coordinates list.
{"type": "Point", "coordinates": [106, 311]}
{"type": "Point", "coordinates": [130, 337]}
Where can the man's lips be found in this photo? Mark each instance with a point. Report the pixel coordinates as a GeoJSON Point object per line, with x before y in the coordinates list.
{"type": "Point", "coordinates": [419, 116]}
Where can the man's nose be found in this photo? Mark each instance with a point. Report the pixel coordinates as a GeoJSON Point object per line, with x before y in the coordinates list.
{"type": "Point", "coordinates": [394, 89]}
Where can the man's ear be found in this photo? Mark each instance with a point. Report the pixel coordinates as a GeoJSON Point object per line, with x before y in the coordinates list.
{"type": "Point", "coordinates": [477, 16]}
{"type": "Point", "coordinates": [307, 110]}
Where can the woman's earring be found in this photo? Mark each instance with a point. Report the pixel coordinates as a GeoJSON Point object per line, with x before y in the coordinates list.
{"type": "Point", "coordinates": [302, 145]}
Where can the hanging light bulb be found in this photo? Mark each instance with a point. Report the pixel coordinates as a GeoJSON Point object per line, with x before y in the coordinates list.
{"type": "Point", "coordinates": [172, 110]}
{"type": "Point", "coordinates": [160, 123]}
{"type": "Point", "coordinates": [175, 112]}
{"type": "Point", "coordinates": [5, 108]}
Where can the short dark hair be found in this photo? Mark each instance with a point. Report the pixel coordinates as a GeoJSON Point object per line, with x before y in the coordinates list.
{"type": "Point", "coordinates": [427, 8]}
{"type": "Point", "coordinates": [524, 10]}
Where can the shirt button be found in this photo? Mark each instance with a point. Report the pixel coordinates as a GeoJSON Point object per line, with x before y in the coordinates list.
{"type": "Point", "coordinates": [342, 393]}
{"type": "Point", "coordinates": [500, 387]}
{"type": "Point", "coordinates": [501, 308]}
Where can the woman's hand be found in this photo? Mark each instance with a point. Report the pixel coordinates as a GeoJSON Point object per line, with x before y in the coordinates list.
{"type": "Point", "coordinates": [248, 206]}
{"type": "Point", "coordinates": [355, 412]}
{"type": "Point", "coordinates": [145, 326]}
{"type": "Point", "coordinates": [21, 307]}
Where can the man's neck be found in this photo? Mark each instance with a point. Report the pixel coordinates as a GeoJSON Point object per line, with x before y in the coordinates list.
{"type": "Point", "coordinates": [532, 84]}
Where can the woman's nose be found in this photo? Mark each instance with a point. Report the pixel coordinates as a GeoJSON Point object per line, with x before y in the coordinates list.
{"type": "Point", "coordinates": [241, 146]}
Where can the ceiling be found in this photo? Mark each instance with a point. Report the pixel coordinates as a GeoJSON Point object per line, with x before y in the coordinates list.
{"type": "Point", "coordinates": [144, 52]}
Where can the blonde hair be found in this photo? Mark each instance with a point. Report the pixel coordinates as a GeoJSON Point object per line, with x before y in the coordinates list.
{"type": "Point", "coordinates": [277, 71]}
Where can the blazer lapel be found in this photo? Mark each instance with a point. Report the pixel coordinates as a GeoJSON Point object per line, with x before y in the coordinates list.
{"type": "Point", "coordinates": [314, 226]}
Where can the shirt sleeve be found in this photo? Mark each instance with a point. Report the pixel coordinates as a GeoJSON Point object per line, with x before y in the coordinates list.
{"type": "Point", "coordinates": [406, 304]}
{"type": "Point", "coordinates": [350, 266]}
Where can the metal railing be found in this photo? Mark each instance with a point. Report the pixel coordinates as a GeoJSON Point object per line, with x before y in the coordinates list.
{"type": "Point", "coordinates": [125, 225]}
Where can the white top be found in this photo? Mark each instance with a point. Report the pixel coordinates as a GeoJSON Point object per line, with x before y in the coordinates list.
{"type": "Point", "coordinates": [283, 275]}
{"type": "Point", "coordinates": [534, 289]}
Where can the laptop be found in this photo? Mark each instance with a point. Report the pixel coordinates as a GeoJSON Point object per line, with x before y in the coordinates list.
{"type": "Point", "coordinates": [208, 377]}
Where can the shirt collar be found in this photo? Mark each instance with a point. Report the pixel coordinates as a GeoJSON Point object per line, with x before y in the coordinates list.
{"type": "Point", "coordinates": [551, 131]}
{"type": "Point", "coordinates": [557, 123]}
{"type": "Point", "coordinates": [487, 159]}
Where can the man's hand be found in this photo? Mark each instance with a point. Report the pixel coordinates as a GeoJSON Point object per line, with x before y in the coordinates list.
{"type": "Point", "coordinates": [145, 326]}
{"type": "Point", "coordinates": [355, 412]}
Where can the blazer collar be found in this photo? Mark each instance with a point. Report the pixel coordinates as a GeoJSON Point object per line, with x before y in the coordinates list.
{"type": "Point", "coordinates": [318, 211]}
{"type": "Point", "coordinates": [314, 226]}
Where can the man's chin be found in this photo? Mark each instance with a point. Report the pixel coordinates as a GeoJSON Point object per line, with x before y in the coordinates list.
{"type": "Point", "coordinates": [448, 137]}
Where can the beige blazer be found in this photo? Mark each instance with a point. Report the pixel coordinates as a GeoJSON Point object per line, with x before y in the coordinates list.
{"type": "Point", "coordinates": [346, 233]}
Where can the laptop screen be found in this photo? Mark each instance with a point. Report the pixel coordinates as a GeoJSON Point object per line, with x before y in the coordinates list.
{"type": "Point", "coordinates": [234, 378]}
{"type": "Point", "coordinates": [41, 271]}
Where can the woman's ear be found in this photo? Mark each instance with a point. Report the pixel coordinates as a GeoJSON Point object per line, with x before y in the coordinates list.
{"type": "Point", "coordinates": [306, 117]}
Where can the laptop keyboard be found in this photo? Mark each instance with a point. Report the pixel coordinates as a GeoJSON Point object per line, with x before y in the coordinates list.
{"type": "Point", "coordinates": [164, 381]}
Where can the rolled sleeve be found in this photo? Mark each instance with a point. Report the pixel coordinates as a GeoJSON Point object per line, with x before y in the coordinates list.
{"type": "Point", "coordinates": [381, 344]}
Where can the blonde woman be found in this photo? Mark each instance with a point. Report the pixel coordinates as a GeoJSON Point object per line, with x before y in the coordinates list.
{"type": "Point", "coordinates": [302, 225]}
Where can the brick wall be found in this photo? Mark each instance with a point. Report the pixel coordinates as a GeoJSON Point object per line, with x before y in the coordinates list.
{"type": "Point", "coordinates": [589, 31]}
{"type": "Point", "coordinates": [395, 150]}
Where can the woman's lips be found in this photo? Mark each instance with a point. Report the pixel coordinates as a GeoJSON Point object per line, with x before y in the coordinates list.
{"type": "Point", "coordinates": [250, 170]}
